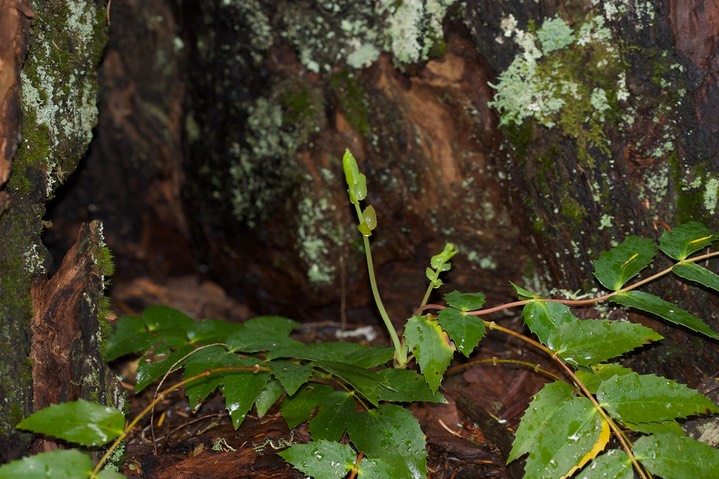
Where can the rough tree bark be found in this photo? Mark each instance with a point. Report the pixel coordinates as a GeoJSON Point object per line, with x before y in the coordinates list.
{"type": "Point", "coordinates": [58, 85]}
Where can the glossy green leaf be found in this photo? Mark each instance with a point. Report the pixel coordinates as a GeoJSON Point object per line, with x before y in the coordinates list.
{"type": "Point", "coordinates": [80, 422]}
{"type": "Point", "coordinates": [614, 464]}
{"type": "Point", "coordinates": [332, 413]}
{"type": "Point", "coordinates": [441, 260]}
{"type": "Point", "coordinates": [635, 398]}
{"type": "Point", "coordinates": [698, 274]}
{"type": "Point", "coordinates": [166, 319]}
{"type": "Point", "coordinates": [664, 309]}
{"type": "Point", "coordinates": [269, 395]}
{"type": "Point", "coordinates": [321, 459]}
{"type": "Point", "coordinates": [587, 342]}
{"type": "Point", "coordinates": [600, 373]}
{"type": "Point", "coordinates": [298, 408]}
{"type": "Point", "coordinates": [620, 264]}
{"type": "Point", "coordinates": [544, 318]}
{"type": "Point", "coordinates": [376, 469]}
{"type": "Point", "coordinates": [392, 435]}
{"type": "Point", "coordinates": [558, 432]}
{"type": "Point", "coordinates": [351, 353]}
{"type": "Point", "coordinates": [409, 386]}
{"type": "Point", "coordinates": [61, 464]}
{"type": "Point", "coordinates": [464, 329]}
{"type": "Point", "coordinates": [430, 347]}
{"type": "Point", "coordinates": [263, 333]}
{"type": "Point", "coordinates": [370, 217]}
{"type": "Point", "coordinates": [540, 412]}
{"type": "Point", "coordinates": [108, 474]}
{"type": "Point", "coordinates": [655, 427]}
{"type": "Point", "coordinates": [684, 240]}
{"type": "Point", "coordinates": [523, 293]}
{"type": "Point", "coordinates": [291, 375]}
{"type": "Point", "coordinates": [465, 301]}
{"type": "Point", "coordinates": [241, 391]}
{"type": "Point", "coordinates": [130, 336]}
{"type": "Point", "coordinates": [674, 456]}
{"type": "Point", "coordinates": [210, 358]}
{"type": "Point", "coordinates": [366, 382]}
{"type": "Point", "coordinates": [157, 362]}
{"type": "Point", "coordinates": [209, 331]}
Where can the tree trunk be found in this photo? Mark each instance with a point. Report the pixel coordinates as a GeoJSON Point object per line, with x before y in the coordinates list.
{"type": "Point", "coordinates": [58, 108]}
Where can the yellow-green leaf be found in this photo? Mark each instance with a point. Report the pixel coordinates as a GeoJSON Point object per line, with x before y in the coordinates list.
{"type": "Point", "coordinates": [430, 345]}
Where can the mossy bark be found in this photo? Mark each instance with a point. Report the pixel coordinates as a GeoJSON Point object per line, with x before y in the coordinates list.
{"type": "Point", "coordinates": [58, 87]}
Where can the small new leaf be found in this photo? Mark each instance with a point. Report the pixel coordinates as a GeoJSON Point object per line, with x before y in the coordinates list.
{"type": "Point", "coordinates": [465, 301]}
{"type": "Point", "coordinates": [81, 422]}
{"type": "Point", "coordinates": [523, 293]}
{"type": "Point", "coordinates": [686, 239]}
{"type": "Point", "coordinates": [618, 265]}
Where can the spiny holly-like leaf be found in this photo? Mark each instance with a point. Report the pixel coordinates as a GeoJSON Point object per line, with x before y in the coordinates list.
{"type": "Point", "coordinates": [263, 333]}
{"type": "Point", "coordinates": [291, 375]}
{"type": "Point", "coordinates": [587, 342]}
{"type": "Point", "coordinates": [674, 456]}
{"type": "Point", "coordinates": [321, 459]}
{"type": "Point", "coordinates": [366, 382]}
{"type": "Point", "coordinates": [684, 240]}
{"type": "Point", "coordinates": [298, 408]}
{"type": "Point", "coordinates": [643, 398]}
{"type": "Point", "coordinates": [62, 464]}
{"type": "Point", "coordinates": [523, 293]}
{"type": "Point", "coordinates": [409, 386]}
{"type": "Point", "coordinates": [272, 391]}
{"type": "Point", "coordinates": [130, 336]}
{"type": "Point", "coordinates": [614, 464]}
{"type": "Point", "coordinates": [544, 318]}
{"type": "Point", "coordinates": [698, 274]}
{"type": "Point", "coordinates": [430, 346]}
{"type": "Point", "coordinates": [392, 435]}
{"type": "Point", "coordinates": [664, 309]}
{"type": "Point", "coordinates": [81, 422]}
{"type": "Point", "coordinates": [465, 301]}
{"type": "Point", "coordinates": [620, 264]}
{"type": "Point", "coordinates": [350, 353]}
{"type": "Point", "coordinates": [241, 391]}
{"type": "Point", "coordinates": [560, 433]}
{"type": "Point", "coordinates": [464, 329]}
{"type": "Point", "coordinates": [332, 414]}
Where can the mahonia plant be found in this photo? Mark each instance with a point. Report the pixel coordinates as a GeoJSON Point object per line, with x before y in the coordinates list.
{"type": "Point", "coordinates": [348, 390]}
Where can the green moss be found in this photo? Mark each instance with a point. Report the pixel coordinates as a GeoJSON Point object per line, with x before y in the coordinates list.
{"type": "Point", "coordinates": [352, 99]}
{"type": "Point", "coordinates": [573, 212]}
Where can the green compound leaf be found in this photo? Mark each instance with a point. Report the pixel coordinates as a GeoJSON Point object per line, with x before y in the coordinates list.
{"type": "Point", "coordinates": [130, 336]}
{"type": "Point", "coordinates": [465, 301]}
{"type": "Point", "coordinates": [375, 469]}
{"type": "Point", "coordinates": [263, 333]}
{"type": "Point", "coordinates": [676, 456]}
{"type": "Point", "coordinates": [167, 320]}
{"type": "Point", "coordinates": [614, 464]}
{"type": "Point", "coordinates": [600, 373]}
{"type": "Point", "coordinates": [240, 392]}
{"type": "Point", "coordinates": [464, 329]}
{"type": "Point", "coordinates": [686, 239]}
{"type": "Point", "coordinates": [298, 408]}
{"type": "Point", "coordinates": [269, 395]}
{"type": "Point", "coordinates": [646, 398]}
{"type": "Point", "coordinates": [544, 318]}
{"type": "Point", "coordinates": [694, 272]}
{"type": "Point", "coordinates": [332, 415]}
{"type": "Point", "coordinates": [350, 353]}
{"type": "Point", "coordinates": [209, 331]}
{"type": "Point", "coordinates": [62, 464]}
{"type": "Point", "coordinates": [587, 342]}
{"type": "Point", "coordinates": [81, 422]}
{"type": "Point", "coordinates": [391, 434]}
{"type": "Point", "coordinates": [560, 433]}
{"type": "Point", "coordinates": [107, 474]}
{"type": "Point", "coordinates": [291, 375]}
{"type": "Point", "coordinates": [409, 386]}
{"type": "Point", "coordinates": [157, 362]}
{"type": "Point", "coordinates": [664, 309]}
{"type": "Point", "coordinates": [430, 346]}
{"type": "Point", "coordinates": [618, 265]}
{"type": "Point", "coordinates": [321, 459]}
{"type": "Point", "coordinates": [366, 382]}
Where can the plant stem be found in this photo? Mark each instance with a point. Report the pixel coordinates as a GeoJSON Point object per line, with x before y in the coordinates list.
{"type": "Point", "coordinates": [400, 353]}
